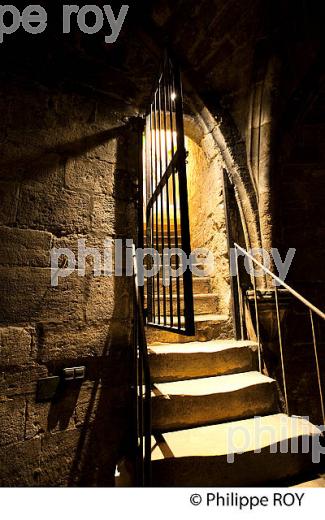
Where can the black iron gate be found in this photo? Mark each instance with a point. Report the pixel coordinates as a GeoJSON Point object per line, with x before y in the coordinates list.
{"type": "Point", "coordinates": [169, 287]}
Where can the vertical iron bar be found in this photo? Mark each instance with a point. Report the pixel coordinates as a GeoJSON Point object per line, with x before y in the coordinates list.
{"type": "Point", "coordinates": [147, 425]}
{"type": "Point", "coordinates": [152, 278]}
{"type": "Point", "coordinates": [143, 380]}
{"type": "Point", "coordinates": [146, 182]}
{"type": "Point", "coordinates": [171, 314]}
{"type": "Point", "coordinates": [184, 210]}
{"type": "Point", "coordinates": [137, 426]}
{"type": "Point", "coordinates": [141, 411]}
{"type": "Point", "coordinates": [156, 205]}
{"type": "Point", "coordinates": [281, 348]}
{"type": "Point", "coordinates": [151, 281]}
{"type": "Point", "coordinates": [151, 153]}
{"type": "Point", "coordinates": [174, 191]}
{"type": "Point", "coordinates": [319, 379]}
{"type": "Point", "coordinates": [138, 382]}
{"type": "Point", "coordinates": [162, 207]}
{"type": "Point", "coordinates": [140, 234]}
{"type": "Point", "coordinates": [140, 243]}
{"type": "Point", "coordinates": [157, 295]}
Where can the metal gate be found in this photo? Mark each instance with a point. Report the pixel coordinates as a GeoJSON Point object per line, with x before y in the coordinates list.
{"type": "Point", "coordinates": [170, 290]}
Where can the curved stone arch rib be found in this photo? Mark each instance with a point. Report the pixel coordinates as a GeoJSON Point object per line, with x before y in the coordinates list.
{"type": "Point", "coordinates": [225, 138]}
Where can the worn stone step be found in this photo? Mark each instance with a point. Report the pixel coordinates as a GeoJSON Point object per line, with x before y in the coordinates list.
{"type": "Point", "coordinates": [201, 285]}
{"type": "Point", "coordinates": [198, 270]}
{"type": "Point", "coordinates": [176, 362]}
{"type": "Point", "coordinates": [200, 456]}
{"type": "Point", "coordinates": [203, 303]}
{"type": "Point", "coordinates": [317, 482]}
{"type": "Point", "coordinates": [158, 241]}
{"type": "Point", "coordinates": [195, 402]}
{"type": "Point", "coordinates": [207, 328]}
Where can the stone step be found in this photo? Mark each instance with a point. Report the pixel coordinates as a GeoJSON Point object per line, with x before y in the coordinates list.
{"type": "Point", "coordinates": [318, 482]}
{"type": "Point", "coordinates": [201, 285]}
{"type": "Point", "coordinates": [203, 303]}
{"type": "Point", "coordinates": [207, 328]}
{"type": "Point", "coordinates": [196, 402]}
{"type": "Point", "coordinates": [176, 362]}
{"type": "Point", "coordinates": [196, 265]}
{"type": "Point", "coordinates": [200, 456]}
{"type": "Point", "coordinates": [166, 241]}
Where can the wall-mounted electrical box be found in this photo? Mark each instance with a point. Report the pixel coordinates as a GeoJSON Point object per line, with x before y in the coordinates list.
{"type": "Point", "coordinates": [48, 387]}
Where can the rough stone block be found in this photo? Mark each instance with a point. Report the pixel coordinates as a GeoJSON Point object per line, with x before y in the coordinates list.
{"type": "Point", "coordinates": [106, 151]}
{"type": "Point", "coordinates": [57, 415]}
{"type": "Point", "coordinates": [42, 170]}
{"type": "Point", "coordinates": [36, 418]}
{"type": "Point", "coordinates": [12, 420]}
{"type": "Point", "coordinates": [62, 343]}
{"type": "Point", "coordinates": [62, 457]}
{"type": "Point", "coordinates": [87, 174]}
{"type": "Point", "coordinates": [20, 464]}
{"type": "Point", "coordinates": [21, 381]}
{"type": "Point", "coordinates": [88, 401]}
{"type": "Point", "coordinates": [84, 456]}
{"type": "Point", "coordinates": [113, 217]}
{"type": "Point", "coordinates": [96, 400]}
{"type": "Point", "coordinates": [59, 211]}
{"type": "Point", "coordinates": [101, 300]}
{"type": "Point", "coordinates": [105, 350]}
{"type": "Point", "coordinates": [24, 247]}
{"type": "Point", "coordinates": [26, 294]}
{"type": "Point", "coordinates": [15, 346]}
{"type": "Point", "coordinates": [8, 202]}
{"type": "Point", "coordinates": [108, 298]}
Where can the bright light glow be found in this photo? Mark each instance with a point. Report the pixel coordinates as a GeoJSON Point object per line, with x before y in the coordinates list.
{"type": "Point", "coordinates": [165, 138]}
{"type": "Point", "coordinates": [164, 143]}
{"type": "Point", "coordinates": [173, 96]}
{"type": "Point", "coordinates": [158, 149]}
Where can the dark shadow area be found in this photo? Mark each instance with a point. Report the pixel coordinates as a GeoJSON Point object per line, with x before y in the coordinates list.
{"type": "Point", "coordinates": [68, 150]}
{"type": "Point", "coordinates": [63, 405]}
{"type": "Point", "coordinates": [107, 431]}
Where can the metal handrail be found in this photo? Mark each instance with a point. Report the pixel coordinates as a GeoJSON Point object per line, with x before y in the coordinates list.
{"type": "Point", "coordinates": [285, 285]}
{"type": "Point", "coordinates": [142, 388]}
{"type": "Point", "coordinates": [311, 308]}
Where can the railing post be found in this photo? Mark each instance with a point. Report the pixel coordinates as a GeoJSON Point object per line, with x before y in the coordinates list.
{"type": "Point", "coordinates": [256, 318]}
{"type": "Point", "coordinates": [317, 365]}
{"type": "Point", "coordinates": [312, 310]}
{"type": "Point", "coordinates": [281, 348]}
{"type": "Point", "coordinates": [143, 383]}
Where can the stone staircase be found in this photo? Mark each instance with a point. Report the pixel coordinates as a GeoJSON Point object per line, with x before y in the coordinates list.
{"type": "Point", "coordinates": [209, 324]}
{"type": "Point", "coordinates": [209, 402]}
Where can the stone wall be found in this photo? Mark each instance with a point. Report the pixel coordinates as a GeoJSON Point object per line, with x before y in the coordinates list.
{"type": "Point", "coordinates": [301, 222]}
{"type": "Point", "coordinates": [207, 215]}
{"type": "Point", "coordinates": [67, 171]}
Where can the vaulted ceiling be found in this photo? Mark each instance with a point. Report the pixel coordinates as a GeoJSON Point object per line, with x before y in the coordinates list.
{"type": "Point", "coordinates": [218, 43]}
